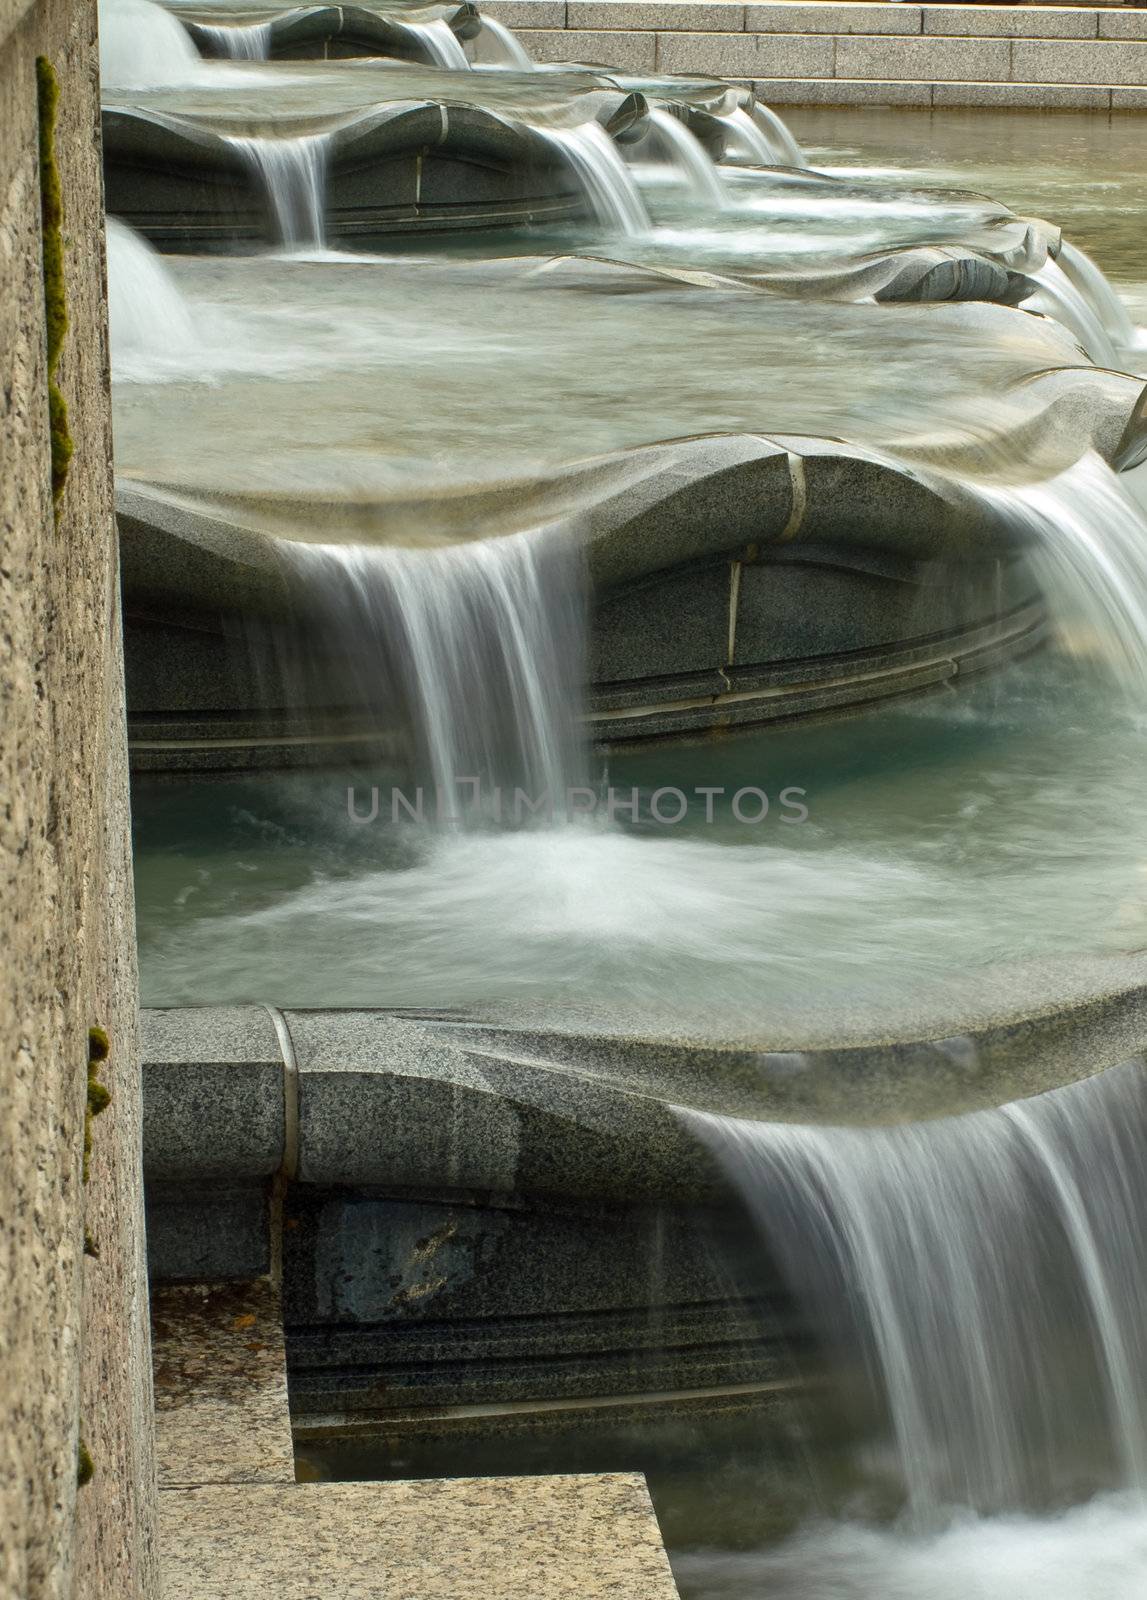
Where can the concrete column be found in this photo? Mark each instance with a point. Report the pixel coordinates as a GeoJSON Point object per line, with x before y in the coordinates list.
{"type": "Point", "coordinates": [74, 1359]}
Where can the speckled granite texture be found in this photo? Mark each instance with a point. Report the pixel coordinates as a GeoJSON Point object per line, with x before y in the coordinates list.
{"type": "Point", "coordinates": [73, 1328]}
{"type": "Point", "coordinates": [220, 1385]}
{"type": "Point", "coordinates": [551, 1538]}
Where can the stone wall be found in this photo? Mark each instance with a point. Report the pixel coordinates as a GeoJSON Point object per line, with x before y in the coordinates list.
{"type": "Point", "coordinates": [73, 1325]}
{"type": "Point", "coordinates": [855, 53]}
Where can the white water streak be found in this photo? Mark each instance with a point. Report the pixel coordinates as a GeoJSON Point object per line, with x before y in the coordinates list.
{"type": "Point", "coordinates": [605, 179]}
{"type": "Point", "coordinates": [753, 141]}
{"type": "Point", "coordinates": [480, 641]}
{"type": "Point", "coordinates": [1058, 297]}
{"type": "Point", "coordinates": [991, 1269]}
{"type": "Point", "coordinates": [1099, 292]}
{"type": "Point", "coordinates": [779, 136]}
{"type": "Point", "coordinates": [293, 173]}
{"type": "Point", "coordinates": [246, 42]}
{"type": "Point", "coordinates": [510, 51]}
{"type": "Point", "coordinates": [681, 148]}
{"type": "Point", "coordinates": [1088, 541]}
{"type": "Point", "coordinates": [440, 43]}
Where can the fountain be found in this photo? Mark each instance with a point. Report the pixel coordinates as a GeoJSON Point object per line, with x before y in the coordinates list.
{"type": "Point", "coordinates": [661, 669]}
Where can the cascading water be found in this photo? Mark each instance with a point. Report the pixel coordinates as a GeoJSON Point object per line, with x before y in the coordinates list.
{"type": "Point", "coordinates": [685, 152]}
{"type": "Point", "coordinates": [293, 172]}
{"type": "Point", "coordinates": [1088, 541]}
{"type": "Point", "coordinates": [242, 42]}
{"type": "Point", "coordinates": [508, 48]}
{"type": "Point", "coordinates": [1062, 299]}
{"type": "Point", "coordinates": [150, 322]}
{"type": "Point", "coordinates": [753, 143]}
{"type": "Point", "coordinates": [781, 140]}
{"type": "Point", "coordinates": [481, 644]}
{"type": "Point", "coordinates": [609, 187]}
{"type": "Point", "coordinates": [1102, 296]}
{"type": "Point", "coordinates": [440, 43]}
{"type": "Point", "coordinates": [142, 46]}
{"type": "Point", "coordinates": [987, 1270]}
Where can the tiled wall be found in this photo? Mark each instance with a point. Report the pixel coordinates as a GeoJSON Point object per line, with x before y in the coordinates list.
{"type": "Point", "coordinates": [857, 53]}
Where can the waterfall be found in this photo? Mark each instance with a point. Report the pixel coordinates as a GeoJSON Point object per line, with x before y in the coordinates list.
{"type": "Point", "coordinates": [1101, 295]}
{"type": "Point", "coordinates": [685, 152]}
{"type": "Point", "coordinates": [603, 175]}
{"type": "Point", "coordinates": [440, 43]}
{"type": "Point", "coordinates": [150, 321]}
{"type": "Point", "coordinates": [751, 141]}
{"type": "Point", "coordinates": [293, 173]}
{"type": "Point", "coordinates": [478, 647]}
{"type": "Point", "coordinates": [1088, 541]}
{"type": "Point", "coordinates": [142, 46]}
{"type": "Point", "coordinates": [987, 1270]}
{"type": "Point", "coordinates": [789, 152]}
{"type": "Point", "coordinates": [1060, 298]}
{"type": "Point", "coordinates": [511, 52]}
{"type": "Point", "coordinates": [247, 42]}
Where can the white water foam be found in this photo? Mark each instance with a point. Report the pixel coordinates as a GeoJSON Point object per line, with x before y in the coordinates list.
{"type": "Point", "coordinates": [151, 324]}
{"type": "Point", "coordinates": [1095, 1551]}
{"type": "Point", "coordinates": [142, 46]}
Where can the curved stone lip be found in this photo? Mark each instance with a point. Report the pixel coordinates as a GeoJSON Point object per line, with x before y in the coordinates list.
{"type": "Point", "coordinates": [531, 1100]}
{"type": "Point", "coordinates": [371, 129]}
{"type": "Point", "coordinates": [1002, 1032]}
{"type": "Point", "coordinates": [636, 511]}
{"type": "Point", "coordinates": [383, 25]}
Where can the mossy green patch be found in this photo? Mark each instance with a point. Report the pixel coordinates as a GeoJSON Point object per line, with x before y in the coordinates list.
{"type": "Point", "coordinates": [55, 287]}
{"type": "Point", "coordinates": [99, 1095]}
{"type": "Point", "coordinates": [85, 1466]}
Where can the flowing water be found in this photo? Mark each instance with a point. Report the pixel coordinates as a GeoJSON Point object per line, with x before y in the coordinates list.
{"type": "Point", "coordinates": [142, 46]}
{"type": "Point", "coordinates": [987, 1273]}
{"type": "Point", "coordinates": [293, 172]}
{"type": "Point", "coordinates": [779, 135]}
{"type": "Point", "coordinates": [754, 140]}
{"type": "Point", "coordinates": [688, 156]}
{"type": "Point", "coordinates": [480, 642]}
{"type": "Point", "coordinates": [612, 194]}
{"type": "Point", "coordinates": [239, 41]}
{"type": "Point", "coordinates": [983, 1278]}
{"type": "Point", "coordinates": [1090, 552]}
{"type": "Point", "coordinates": [979, 1280]}
{"type": "Point", "coordinates": [440, 44]}
{"type": "Point", "coordinates": [1071, 305]}
{"type": "Point", "coordinates": [509, 50]}
{"type": "Point", "coordinates": [150, 320]}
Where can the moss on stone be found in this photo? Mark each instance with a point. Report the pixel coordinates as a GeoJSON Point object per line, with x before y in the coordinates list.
{"type": "Point", "coordinates": [99, 1095]}
{"type": "Point", "coordinates": [55, 286]}
{"type": "Point", "coordinates": [85, 1466]}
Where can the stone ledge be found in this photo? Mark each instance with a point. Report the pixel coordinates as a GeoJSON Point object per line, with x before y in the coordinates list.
{"type": "Point", "coordinates": [213, 1093]}
{"type": "Point", "coordinates": [220, 1365]}
{"type": "Point", "coordinates": [1061, 47]}
{"type": "Point", "coordinates": [1002, 96]}
{"type": "Point", "coordinates": [548, 1538]}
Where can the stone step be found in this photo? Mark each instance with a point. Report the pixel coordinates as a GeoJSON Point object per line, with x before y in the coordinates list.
{"type": "Point", "coordinates": [1112, 20]}
{"type": "Point", "coordinates": [915, 92]}
{"type": "Point", "coordinates": [545, 1538]}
